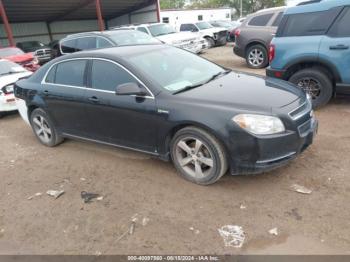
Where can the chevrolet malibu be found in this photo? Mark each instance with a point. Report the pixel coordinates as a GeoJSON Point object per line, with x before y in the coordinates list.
{"type": "Point", "coordinates": [172, 104]}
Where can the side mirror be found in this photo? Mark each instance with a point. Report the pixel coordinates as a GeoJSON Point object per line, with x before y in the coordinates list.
{"type": "Point", "coordinates": [129, 89]}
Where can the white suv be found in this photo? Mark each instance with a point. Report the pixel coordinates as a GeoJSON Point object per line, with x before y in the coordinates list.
{"type": "Point", "coordinates": [192, 42]}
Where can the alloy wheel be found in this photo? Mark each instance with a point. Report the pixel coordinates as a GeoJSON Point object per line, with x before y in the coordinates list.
{"type": "Point", "coordinates": [256, 57]}
{"type": "Point", "coordinates": [42, 129]}
{"type": "Point", "coordinates": [194, 157]}
{"type": "Point", "coordinates": [310, 86]}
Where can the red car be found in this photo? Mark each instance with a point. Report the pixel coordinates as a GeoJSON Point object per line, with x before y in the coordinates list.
{"type": "Point", "coordinates": [27, 60]}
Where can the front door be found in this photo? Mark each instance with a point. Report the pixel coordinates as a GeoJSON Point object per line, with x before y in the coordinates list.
{"type": "Point", "coordinates": [126, 120]}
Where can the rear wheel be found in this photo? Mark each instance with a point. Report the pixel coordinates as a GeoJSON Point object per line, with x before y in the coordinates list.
{"type": "Point", "coordinates": [44, 129]}
{"type": "Point", "coordinates": [256, 57]}
{"type": "Point", "coordinates": [198, 156]}
{"type": "Point", "coordinates": [316, 83]}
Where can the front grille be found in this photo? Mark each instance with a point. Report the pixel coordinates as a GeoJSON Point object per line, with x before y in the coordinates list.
{"type": "Point", "coordinates": [301, 110]}
{"type": "Point", "coordinates": [43, 52]}
{"type": "Point", "coordinates": [305, 128]}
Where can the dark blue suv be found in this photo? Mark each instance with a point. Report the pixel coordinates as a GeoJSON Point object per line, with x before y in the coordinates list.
{"type": "Point", "coordinates": [312, 49]}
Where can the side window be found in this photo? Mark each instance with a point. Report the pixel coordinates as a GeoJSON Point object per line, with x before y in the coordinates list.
{"type": "Point", "coordinates": [86, 43]}
{"type": "Point", "coordinates": [107, 76]}
{"type": "Point", "coordinates": [102, 43]}
{"type": "Point", "coordinates": [260, 20]}
{"type": "Point", "coordinates": [185, 27]}
{"type": "Point", "coordinates": [71, 73]}
{"type": "Point", "coordinates": [278, 19]}
{"type": "Point", "coordinates": [307, 24]}
{"type": "Point", "coordinates": [50, 78]}
{"type": "Point", "coordinates": [68, 46]}
{"type": "Point", "coordinates": [142, 29]}
{"type": "Point", "coordinates": [341, 27]}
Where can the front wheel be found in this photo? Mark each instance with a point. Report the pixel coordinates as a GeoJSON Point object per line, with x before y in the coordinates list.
{"type": "Point", "coordinates": [256, 57]}
{"type": "Point", "coordinates": [198, 156]}
{"type": "Point", "coordinates": [211, 42]}
{"type": "Point", "coordinates": [316, 83]}
{"type": "Point", "coordinates": [44, 129]}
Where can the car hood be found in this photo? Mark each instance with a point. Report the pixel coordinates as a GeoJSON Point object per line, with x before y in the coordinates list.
{"type": "Point", "coordinates": [12, 78]}
{"type": "Point", "coordinates": [183, 36]}
{"type": "Point", "coordinates": [20, 58]}
{"type": "Point", "coordinates": [245, 91]}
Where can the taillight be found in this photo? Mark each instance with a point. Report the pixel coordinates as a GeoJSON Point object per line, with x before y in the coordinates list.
{"type": "Point", "coordinates": [237, 32]}
{"type": "Point", "coordinates": [272, 51]}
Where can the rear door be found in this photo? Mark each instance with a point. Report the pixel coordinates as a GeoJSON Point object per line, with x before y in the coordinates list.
{"type": "Point", "coordinates": [122, 120]}
{"type": "Point", "coordinates": [335, 46]}
{"type": "Point", "coordinates": [63, 91]}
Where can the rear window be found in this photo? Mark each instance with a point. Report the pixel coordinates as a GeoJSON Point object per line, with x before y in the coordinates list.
{"type": "Point", "coordinates": [308, 24]}
{"type": "Point", "coordinates": [68, 46]}
{"type": "Point", "coordinates": [260, 20]}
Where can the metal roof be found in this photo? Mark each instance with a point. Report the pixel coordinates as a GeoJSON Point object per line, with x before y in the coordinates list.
{"type": "Point", "coordinates": [58, 10]}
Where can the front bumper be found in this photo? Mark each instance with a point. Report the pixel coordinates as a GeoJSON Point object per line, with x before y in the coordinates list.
{"type": "Point", "coordinates": [7, 103]}
{"type": "Point", "coordinates": [274, 151]}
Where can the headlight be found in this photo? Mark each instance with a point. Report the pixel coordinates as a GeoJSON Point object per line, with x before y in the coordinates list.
{"type": "Point", "coordinates": [259, 124]}
{"type": "Point", "coordinates": [8, 89]}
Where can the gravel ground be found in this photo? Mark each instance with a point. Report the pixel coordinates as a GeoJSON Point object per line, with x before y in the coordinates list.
{"type": "Point", "coordinates": [171, 215]}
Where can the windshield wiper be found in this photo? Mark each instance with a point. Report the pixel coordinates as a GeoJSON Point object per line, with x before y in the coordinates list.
{"type": "Point", "coordinates": [189, 87]}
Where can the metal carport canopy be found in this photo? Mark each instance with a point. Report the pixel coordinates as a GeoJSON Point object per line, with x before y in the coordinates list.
{"type": "Point", "coordinates": [58, 10]}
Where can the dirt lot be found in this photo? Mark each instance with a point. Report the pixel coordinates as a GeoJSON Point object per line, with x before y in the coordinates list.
{"type": "Point", "coordinates": [133, 183]}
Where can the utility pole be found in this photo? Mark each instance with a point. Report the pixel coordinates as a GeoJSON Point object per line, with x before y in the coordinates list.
{"type": "Point", "coordinates": [241, 12]}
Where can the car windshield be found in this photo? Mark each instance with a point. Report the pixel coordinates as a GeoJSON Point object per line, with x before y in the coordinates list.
{"type": "Point", "coordinates": [5, 52]}
{"type": "Point", "coordinates": [204, 25]}
{"type": "Point", "coordinates": [31, 44]}
{"type": "Point", "coordinates": [132, 37]}
{"type": "Point", "coordinates": [174, 69]}
{"type": "Point", "coordinates": [162, 29]}
{"type": "Point", "coordinates": [8, 67]}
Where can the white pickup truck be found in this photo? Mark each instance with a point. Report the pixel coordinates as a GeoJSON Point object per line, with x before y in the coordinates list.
{"type": "Point", "coordinates": [190, 41]}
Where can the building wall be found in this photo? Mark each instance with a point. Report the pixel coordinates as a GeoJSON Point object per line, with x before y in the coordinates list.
{"type": "Point", "coordinates": [178, 17]}
{"type": "Point", "coordinates": [39, 30]}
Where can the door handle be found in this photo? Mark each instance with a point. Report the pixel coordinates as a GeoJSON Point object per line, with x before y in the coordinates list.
{"type": "Point", "coordinates": [94, 99]}
{"type": "Point", "coordinates": [339, 47]}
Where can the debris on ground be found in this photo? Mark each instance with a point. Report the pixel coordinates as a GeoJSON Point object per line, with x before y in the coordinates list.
{"type": "Point", "coordinates": [82, 179]}
{"type": "Point", "coordinates": [55, 193]}
{"type": "Point", "coordinates": [242, 206]}
{"type": "Point", "coordinates": [2, 231]}
{"type": "Point", "coordinates": [35, 195]}
{"type": "Point", "coordinates": [98, 253]}
{"type": "Point", "coordinates": [232, 235]}
{"type": "Point", "coordinates": [301, 189]}
{"type": "Point", "coordinates": [274, 231]}
{"type": "Point", "coordinates": [145, 221]}
{"type": "Point", "coordinates": [87, 197]}
{"type": "Point", "coordinates": [196, 231]}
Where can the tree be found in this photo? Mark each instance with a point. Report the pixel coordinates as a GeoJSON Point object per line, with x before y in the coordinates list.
{"type": "Point", "coordinates": [172, 4]}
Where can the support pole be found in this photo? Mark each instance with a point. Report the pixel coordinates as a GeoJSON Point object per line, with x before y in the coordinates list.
{"type": "Point", "coordinates": [99, 16]}
{"type": "Point", "coordinates": [158, 10]}
{"type": "Point", "coordinates": [6, 25]}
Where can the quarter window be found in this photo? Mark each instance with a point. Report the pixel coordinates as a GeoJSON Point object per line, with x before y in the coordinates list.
{"type": "Point", "coordinates": [260, 20]}
{"type": "Point", "coordinates": [142, 29]}
{"type": "Point", "coordinates": [341, 28]}
{"type": "Point", "coordinates": [107, 76]}
{"type": "Point", "coordinates": [50, 78]}
{"type": "Point", "coordinates": [278, 19]}
{"type": "Point", "coordinates": [68, 46]}
{"type": "Point", "coordinates": [102, 43]}
{"type": "Point", "coordinates": [70, 73]}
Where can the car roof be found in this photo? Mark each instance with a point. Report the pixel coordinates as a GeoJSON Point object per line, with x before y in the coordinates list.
{"type": "Point", "coordinates": [98, 33]}
{"type": "Point", "coordinates": [316, 7]}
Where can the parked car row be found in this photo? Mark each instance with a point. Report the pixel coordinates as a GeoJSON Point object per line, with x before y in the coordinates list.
{"type": "Point", "coordinates": [308, 45]}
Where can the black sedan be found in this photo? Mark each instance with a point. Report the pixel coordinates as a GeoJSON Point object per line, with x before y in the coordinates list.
{"type": "Point", "coordinates": [171, 104]}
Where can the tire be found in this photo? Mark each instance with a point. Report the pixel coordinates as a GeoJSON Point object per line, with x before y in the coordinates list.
{"type": "Point", "coordinates": [257, 57]}
{"type": "Point", "coordinates": [44, 128]}
{"type": "Point", "coordinates": [211, 42]}
{"type": "Point", "coordinates": [188, 159]}
{"type": "Point", "coordinates": [319, 86]}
